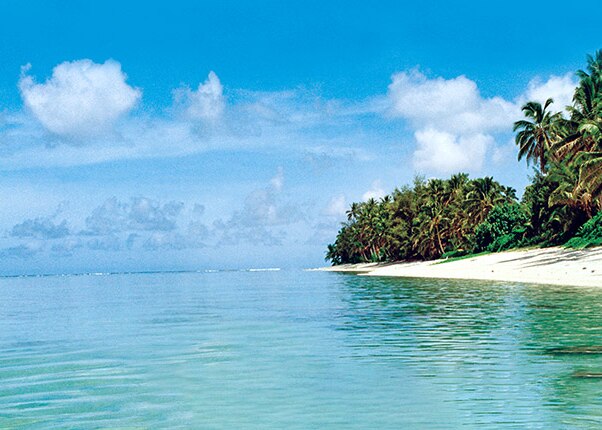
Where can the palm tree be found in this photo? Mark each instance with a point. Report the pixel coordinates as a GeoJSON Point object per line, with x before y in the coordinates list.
{"type": "Point", "coordinates": [484, 194]}
{"type": "Point", "coordinates": [571, 191]}
{"type": "Point", "coordinates": [537, 133]}
{"type": "Point", "coordinates": [583, 130]}
{"type": "Point", "coordinates": [590, 173]}
{"type": "Point", "coordinates": [354, 211]}
{"type": "Point", "coordinates": [582, 144]}
{"type": "Point", "coordinates": [457, 183]}
{"type": "Point", "coordinates": [432, 222]}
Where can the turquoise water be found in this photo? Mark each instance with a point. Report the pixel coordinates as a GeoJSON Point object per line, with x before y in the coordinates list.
{"type": "Point", "coordinates": [296, 350]}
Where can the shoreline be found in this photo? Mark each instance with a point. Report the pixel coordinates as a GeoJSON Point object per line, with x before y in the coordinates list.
{"type": "Point", "coordinates": [545, 266]}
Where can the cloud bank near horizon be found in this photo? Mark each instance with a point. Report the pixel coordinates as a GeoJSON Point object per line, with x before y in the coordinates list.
{"type": "Point", "coordinates": [142, 223]}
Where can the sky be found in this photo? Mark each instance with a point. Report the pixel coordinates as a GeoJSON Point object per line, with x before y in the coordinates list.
{"type": "Point", "coordinates": [192, 135]}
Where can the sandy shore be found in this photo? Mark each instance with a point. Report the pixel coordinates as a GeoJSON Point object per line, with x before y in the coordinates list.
{"type": "Point", "coordinates": [554, 266]}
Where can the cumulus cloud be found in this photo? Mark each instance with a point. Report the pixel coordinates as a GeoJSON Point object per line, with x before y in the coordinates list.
{"type": "Point", "coordinates": [559, 88]}
{"type": "Point", "coordinates": [236, 230]}
{"type": "Point", "coordinates": [110, 242]}
{"type": "Point", "coordinates": [375, 192]}
{"type": "Point", "coordinates": [452, 105]}
{"type": "Point", "coordinates": [503, 153]}
{"type": "Point", "coordinates": [22, 251]}
{"type": "Point", "coordinates": [263, 207]}
{"type": "Point", "coordinates": [114, 226]}
{"type": "Point", "coordinates": [79, 115]}
{"type": "Point", "coordinates": [165, 240]}
{"type": "Point", "coordinates": [194, 236]}
{"type": "Point", "coordinates": [81, 98]}
{"type": "Point", "coordinates": [67, 247]}
{"type": "Point", "coordinates": [264, 213]}
{"type": "Point", "coordinates": [206, 102]}
{"type": "Point", "coordinates": [448, 153]}
{"type": "Point", "coordinates": [40, 228]}
{"type": "Point", "coordinates": [454, 125]}
{"type": "Point", "coordinates": [336, 207]}
{"type": "Point", "coordinates": [140, 213]}
{"type": "Point", "coordinates": [198, 209]}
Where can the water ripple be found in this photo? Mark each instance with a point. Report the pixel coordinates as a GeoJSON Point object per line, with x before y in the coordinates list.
{"type": "Point", "coordinates": [284, 349]}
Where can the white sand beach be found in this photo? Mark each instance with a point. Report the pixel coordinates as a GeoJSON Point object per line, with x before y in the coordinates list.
{"type": "Point", "coordinates": [554, 266]}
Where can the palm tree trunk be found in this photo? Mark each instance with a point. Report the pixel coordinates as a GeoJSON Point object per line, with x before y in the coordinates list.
{"type": "Point", "coordinates": [439, 239]}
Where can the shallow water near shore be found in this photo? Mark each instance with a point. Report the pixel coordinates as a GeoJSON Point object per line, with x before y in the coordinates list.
{"type": "Point", "coordinates": [294, 349]}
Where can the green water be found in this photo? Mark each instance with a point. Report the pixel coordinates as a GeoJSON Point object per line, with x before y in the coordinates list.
{"type": "Point", "coordinates": [296, 350]}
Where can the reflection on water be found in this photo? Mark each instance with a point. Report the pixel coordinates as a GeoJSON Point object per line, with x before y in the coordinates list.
{"type": "Point", "coordinates": [512, 351]}
{"type": "Point", "coordinates": [296, 350]}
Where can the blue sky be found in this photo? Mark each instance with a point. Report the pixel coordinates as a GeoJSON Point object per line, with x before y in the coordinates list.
{"type": "Point", "coordinates": [193, 135]}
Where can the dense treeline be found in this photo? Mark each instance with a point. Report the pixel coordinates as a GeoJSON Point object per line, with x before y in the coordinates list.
{"type": "Point", "coordinates": [459, 215]}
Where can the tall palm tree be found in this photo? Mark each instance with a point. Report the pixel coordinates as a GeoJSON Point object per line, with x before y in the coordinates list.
{"type": "Point", "coordinates": [582, 144]}
{"type": "Point", "coordinates": [537, 133]}
{"type": "Point", "coordinates": [584, 128]}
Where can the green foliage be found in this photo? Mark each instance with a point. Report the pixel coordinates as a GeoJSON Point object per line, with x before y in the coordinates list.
{"type": "Point", "coordinates": [457, 216]}
{"type": "Point", "coordinates": [590, 234]}
{"type": "Point", "coordinates": [455, 254]}
{"type": "Point", "coordinates": [550, 221]}
{"type": "Point", "coordinates": [424, 221]}
{"type": "Point", "coordinates": [444, 260]}
{"type": "Point", "coordinates": [536, 133]}
{"type": "Point", "coordinates": [503, 228]}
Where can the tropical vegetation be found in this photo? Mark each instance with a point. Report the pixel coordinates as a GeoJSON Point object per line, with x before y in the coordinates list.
{"type": "Point", "coordinates": [457, 216]}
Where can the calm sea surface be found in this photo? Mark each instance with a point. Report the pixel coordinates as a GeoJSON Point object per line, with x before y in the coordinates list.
{"type": "Point", "coordinates": [296, 350]}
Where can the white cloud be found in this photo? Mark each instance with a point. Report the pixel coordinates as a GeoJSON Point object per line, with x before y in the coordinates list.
{"type": "Point", "coordinates": [375, 192]}
{"type": "Point", "coordinates": [82, 98]}
{"type": "Point", "coordinates": [26, 250]}
{"type": "Point", "coordinates": [78, 117]}
{"type": "Point", "coordinates": [505, 153]}
{"type": "Point", "coordinates": [110, 242]}
{"type": "Point", "coordinates": [325, 131]}
{"type": "Point", "coordinates": [66, 247]}
{"type": "Point", "coordinates": [265, 217]}
{"type": "Point", "coordinates": [277, 182]}
{"type": "Point", "coordinates": [139, 223]}
{"type": "Point", "coordinates": [448, 153]}
{"type": "Point", "coordinates": [452, 105]}
{"type": "Point", "coordinates": [207, 102]}
{"type": "Point", "coordinates": [40, 228]}
{"type": "Point", "coordinates": [453, 124]}
{"type": "Point", "coordinates": [559, 88]}
{"type": "Point", "coordinates": [139, 214]}
{"type": "Point", "coordinates": [336, 207]}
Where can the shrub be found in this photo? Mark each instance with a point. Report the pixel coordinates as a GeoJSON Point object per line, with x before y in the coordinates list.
{"type": "Point", "coordinates": [503, 228]}
{"type": "Point", "coordinates": [590, 234]}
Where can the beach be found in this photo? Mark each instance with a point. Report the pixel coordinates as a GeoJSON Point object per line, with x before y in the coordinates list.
{"type": "Point", "coordinates": [551, 266]}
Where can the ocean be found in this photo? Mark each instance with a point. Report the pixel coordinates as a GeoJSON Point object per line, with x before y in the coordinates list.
{"type": "Point", "coordinates": [292, 349]}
